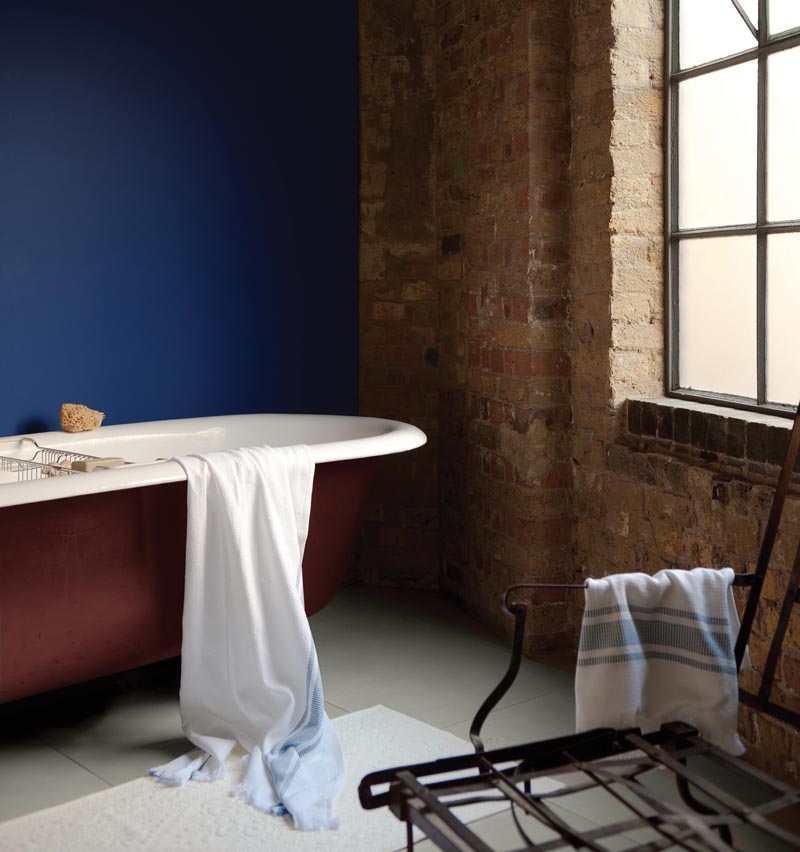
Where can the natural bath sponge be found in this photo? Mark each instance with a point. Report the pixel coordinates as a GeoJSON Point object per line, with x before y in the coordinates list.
{"type": "Point", "coordinates": [79, 418]}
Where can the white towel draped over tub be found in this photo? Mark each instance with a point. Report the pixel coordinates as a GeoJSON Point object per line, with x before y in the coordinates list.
{"type": "Point", "coordinates": [249, 669]}
{"type": "Point", "coordinates": [660, 649]}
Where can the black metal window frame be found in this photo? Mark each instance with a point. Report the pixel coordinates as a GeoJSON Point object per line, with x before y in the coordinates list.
{"type": "Point", "coordinates": [761, 228]}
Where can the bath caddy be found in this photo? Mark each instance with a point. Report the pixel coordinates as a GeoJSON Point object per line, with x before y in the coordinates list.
{"type": "Point", "coordinates": [623, 765]}
{"type": "Point", "coordinates": [24, 460]}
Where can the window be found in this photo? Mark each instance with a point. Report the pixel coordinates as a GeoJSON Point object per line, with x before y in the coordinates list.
{"type": "Point", "coordinates": [733, 201]}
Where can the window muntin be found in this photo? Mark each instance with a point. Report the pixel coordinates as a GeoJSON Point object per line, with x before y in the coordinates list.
{"type": "Point", "coordinates": [733, 202]}
{"type": "Point", "coordinates": [700, 43]}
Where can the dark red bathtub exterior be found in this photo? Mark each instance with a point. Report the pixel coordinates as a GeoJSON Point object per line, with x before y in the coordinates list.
{"type": "Point", "coordinates": [94, 585]}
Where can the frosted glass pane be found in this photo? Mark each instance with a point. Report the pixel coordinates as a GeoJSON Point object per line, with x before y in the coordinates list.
{"type": "Point", "coordinates": [717, 148]}
{"type": "Point", "coordinates": [711, 29]}
{"type": "Point", "coordinates": [783, 318]}
{"type": "Point", "coordinates": [783, 112]}
{"type": "Point", "coordinates": [718, 315]}
{"type": "Point", "coordinates": [783, 15]}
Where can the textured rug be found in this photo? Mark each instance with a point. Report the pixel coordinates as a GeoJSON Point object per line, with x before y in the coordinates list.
{"type": "Point", "coordinates": [146, 816]}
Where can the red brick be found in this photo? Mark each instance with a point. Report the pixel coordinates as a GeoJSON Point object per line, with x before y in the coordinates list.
{"type": "Point", "coordinates": [554, 197]}
{"type": "Point", "coordinates": [559, 476]}
{"type": "Point", "coordinates": [791, 672]}
{"type": "Point", "coordinates": [499, 412]}
{"type": "Point", "coordinates": [388, 310]}
{"type": "Point", "coordinates": [521, 89]}
{"type": "Point", "coordinates": [519, 310]}
{"type": "Point", "coordinates": [498, 364]}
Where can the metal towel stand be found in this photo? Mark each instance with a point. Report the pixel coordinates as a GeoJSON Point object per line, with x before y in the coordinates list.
{"type": "Point", "coordinates": [610, 759]}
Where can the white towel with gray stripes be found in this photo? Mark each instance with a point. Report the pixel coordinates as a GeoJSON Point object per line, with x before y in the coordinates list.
{"type": "Point", "coordinates": [660, 649]}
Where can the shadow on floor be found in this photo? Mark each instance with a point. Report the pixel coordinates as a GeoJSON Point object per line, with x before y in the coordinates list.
{"type": "Point", "coordinates": [85, 701]}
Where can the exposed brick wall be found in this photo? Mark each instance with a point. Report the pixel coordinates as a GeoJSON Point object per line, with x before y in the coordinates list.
{"type": "Point", "coordinates": [511, 266]}
{"type": "Point", "coordinates": [502, 199]}
{"type": "Point", "coordinates": [644, 504]}
{"type": "Point", "coordinates": [398, 288]}
{"type": "Point", "coordinates": [591, 266]}
{"type": "Point", "coordinates": [471, 347]}
{"type": "Point", "coordinates": [617, 232]}
{"type": "Point", "coordinates": [616, 278]}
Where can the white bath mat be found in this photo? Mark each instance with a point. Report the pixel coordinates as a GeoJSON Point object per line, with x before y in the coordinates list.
{"type": "Point", "coordinates": [146, 816]}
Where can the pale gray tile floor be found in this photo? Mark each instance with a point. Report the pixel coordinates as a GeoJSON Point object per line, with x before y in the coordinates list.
{"type": "Point", "coordinates": [409, 651]}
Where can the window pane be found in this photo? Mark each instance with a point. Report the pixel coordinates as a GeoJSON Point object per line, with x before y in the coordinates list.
{"type": "Point", "coordinates": [718, 315]}
{"type": "Point", "coordinates": [711, 29]}
{"type": "Point", "coordinates": [783, 112]}
{"type": "Point", "coordinates": [783, 318]}
{"type": "Point", "coordinates": [717, 148]}
{"type": "Point", "coordinates": [783, 15]}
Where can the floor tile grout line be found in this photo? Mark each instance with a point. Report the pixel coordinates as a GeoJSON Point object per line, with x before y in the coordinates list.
{"type": "Point", "coordinates": [76, 762]}
{"type": "Point", "coordinates": [509, 706]}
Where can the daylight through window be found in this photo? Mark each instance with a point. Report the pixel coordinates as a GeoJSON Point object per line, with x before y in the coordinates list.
{"type": "Point", "coordinates": [733, 210]}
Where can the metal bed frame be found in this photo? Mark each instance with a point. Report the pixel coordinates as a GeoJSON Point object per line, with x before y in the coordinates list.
{"type": "Point", "coordinates": [615, 761]}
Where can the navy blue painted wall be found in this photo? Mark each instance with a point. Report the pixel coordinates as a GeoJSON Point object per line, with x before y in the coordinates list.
{"type": "Point", "coordinates": [178, 208]}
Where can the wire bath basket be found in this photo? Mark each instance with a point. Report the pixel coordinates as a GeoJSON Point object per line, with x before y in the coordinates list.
{"type": "Point", "coordinates": [36, 462]}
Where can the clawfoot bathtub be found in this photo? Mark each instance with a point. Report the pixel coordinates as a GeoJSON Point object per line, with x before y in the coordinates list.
{"type": "Point", "coordinates": [92, 564]}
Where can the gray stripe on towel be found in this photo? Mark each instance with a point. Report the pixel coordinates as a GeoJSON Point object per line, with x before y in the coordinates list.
{"type": "Point", "coordinates": [641, 631]}
{"type": "Point", "coordinates": [657, 655]}
{"type": "Point", "coordinates": [599, 611]}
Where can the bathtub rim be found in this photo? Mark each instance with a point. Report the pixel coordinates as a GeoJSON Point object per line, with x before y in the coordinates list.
{"type": "Point", "coordinates": [394, 437]}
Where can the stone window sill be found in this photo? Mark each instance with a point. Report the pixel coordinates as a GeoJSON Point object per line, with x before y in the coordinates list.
{"type": "Point", "coordinates": [743, 441]}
